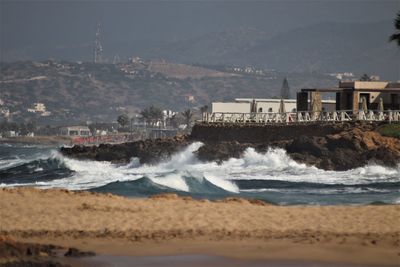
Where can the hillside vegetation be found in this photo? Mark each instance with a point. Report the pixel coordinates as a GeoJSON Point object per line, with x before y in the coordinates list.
{"type": "Point", "coordinates": [99, 92]}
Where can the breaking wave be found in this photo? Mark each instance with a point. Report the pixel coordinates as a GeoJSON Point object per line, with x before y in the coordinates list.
{"type": "Point", "coordinates": [271, 176]}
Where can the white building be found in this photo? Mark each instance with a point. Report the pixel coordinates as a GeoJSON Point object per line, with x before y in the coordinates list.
{"type": "Point", "coordinates": [5, 112]}
{"type": "Point", "coordinates": [38, 108]}
{"type": "Point", "coordinates": [263, 105]}
{"type": "Point", "coordinates": [75, 131]}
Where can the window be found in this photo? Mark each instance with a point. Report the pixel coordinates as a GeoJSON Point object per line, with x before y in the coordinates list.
{"type": "Point", "coordinates": [84, 132]}
{"type": "Point", "coordinates": [73, 132]}
{"type": "Point", "coordinates": [260, 110]}
{"type": "Point", "coordinates": [270, 110]}
{"type": "Point", "coordinates": [294, 110]}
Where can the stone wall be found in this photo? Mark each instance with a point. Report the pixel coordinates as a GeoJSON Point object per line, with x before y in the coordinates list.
{"type": "Point", "coordinates": [253, 133]}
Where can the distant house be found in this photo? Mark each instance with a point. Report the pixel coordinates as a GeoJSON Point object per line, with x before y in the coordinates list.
{"type": "Point", "coordinates": [37, 108]}
{"type": "Point", "coordinates": [10, 134]}
{"type": "Point", "coordinates": [75, 131]}
{"type": "Point", "coordinates": [4, 112]}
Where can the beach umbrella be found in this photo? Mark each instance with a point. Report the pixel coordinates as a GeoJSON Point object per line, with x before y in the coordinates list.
{"type": "Point", "coordinates": [282, 108]}
{"type": "Point", "coordinates": [364, 104]}
{"type": "Point", "coordinates": [254, 106]}
{"type": "Point", "coordinates": [381, 109]}
{"type": "Point", "coordinates": [314, 106]}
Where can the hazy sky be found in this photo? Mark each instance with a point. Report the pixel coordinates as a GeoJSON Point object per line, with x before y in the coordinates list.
{"type": "Point", "coordinates": [73, 22]}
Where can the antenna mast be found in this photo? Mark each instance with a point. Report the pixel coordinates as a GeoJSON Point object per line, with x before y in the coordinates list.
{"type": "Point", "coordinates": [98, 48]}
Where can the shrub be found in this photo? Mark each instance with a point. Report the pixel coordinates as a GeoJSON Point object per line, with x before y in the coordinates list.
{"type": "Point", "coordinates": [391, 130]}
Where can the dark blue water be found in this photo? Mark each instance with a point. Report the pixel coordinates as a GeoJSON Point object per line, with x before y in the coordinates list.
{"type": "Point", "coordinates": [271, 176]}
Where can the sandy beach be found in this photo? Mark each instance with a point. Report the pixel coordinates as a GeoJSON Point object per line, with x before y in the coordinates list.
{"type": "Point", "coordinates": [232, 228]}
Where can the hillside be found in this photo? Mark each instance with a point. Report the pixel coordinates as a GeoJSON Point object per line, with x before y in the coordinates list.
{"type": "Point", "coordinates": [100, 92]}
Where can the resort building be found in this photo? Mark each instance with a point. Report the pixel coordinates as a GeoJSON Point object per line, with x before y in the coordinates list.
{"type": "Point", "coordinates": [263, 105]}
{"type": "Point", "coordinates": [75, 131]}
{"type": "Point", "coordinates": [353, 96]}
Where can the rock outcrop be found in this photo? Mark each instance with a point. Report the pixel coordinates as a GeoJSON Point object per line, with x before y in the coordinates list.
{"type": "Point", "coordinates": [336, 147]}
{"type": "Point", "coordinates": [148, 151]}
{"type": "Point", "coordinates": [15, 253]}
{"type": "Point", "coordinates": [346, 150]}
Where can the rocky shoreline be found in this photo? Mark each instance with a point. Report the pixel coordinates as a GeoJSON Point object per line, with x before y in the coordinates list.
{"type": "Point", "coordinates": [330, 147]}
{"type": "Point", "coordinates": [14, 253]}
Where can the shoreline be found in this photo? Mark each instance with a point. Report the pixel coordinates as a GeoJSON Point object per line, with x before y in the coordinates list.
{"type": "Point", "coordinates": [51, 140]}
{"type": "Point", "coordinates": [247, 250]}
{"type": "Point", "coordinates": [233, 228]}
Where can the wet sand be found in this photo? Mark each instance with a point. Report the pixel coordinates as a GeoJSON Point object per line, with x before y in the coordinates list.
{"type": "Point", "coordinates": [198, 261]}
{"type": "Point", "coordinates": [234, 229]}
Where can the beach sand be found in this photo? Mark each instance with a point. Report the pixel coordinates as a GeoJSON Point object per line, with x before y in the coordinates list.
{"type": "Point", "coordinates": [233, 228]}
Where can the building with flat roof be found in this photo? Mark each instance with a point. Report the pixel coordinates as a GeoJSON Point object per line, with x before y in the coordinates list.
{"type": "Point", "coordinates": [263, 105]}
{"type": "Point", "coordinates": [75, 131]}
{"type": "Point", "coordinates": [350, 95]}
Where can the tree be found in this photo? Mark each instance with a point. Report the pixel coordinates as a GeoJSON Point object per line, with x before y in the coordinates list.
{"type": "Point", "coordinates": [152, 114]}
{"type": "Point", "coordinates": [285, 90]}
{"type": "Point", "coordinates": [31, 126]}
{"type": "Point", "coordinates": [365, 78]}
{"type": "Point", "coordinates": [22, 129]}
{"type": "Point", "coordinates": [396, 36]}
{"type": "Point", "coordinates": [187, 115]}
{"type": "Point", "coordinates": [123, 120]}
{"type": "Point", "coordinates": [173, 121]}
{"type": "Point", "coordinates": [204, 109]}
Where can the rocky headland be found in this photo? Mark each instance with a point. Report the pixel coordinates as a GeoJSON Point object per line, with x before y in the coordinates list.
{"type": "Point", "coordinates": [331, 146]}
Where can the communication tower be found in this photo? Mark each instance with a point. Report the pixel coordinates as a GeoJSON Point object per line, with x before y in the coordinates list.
{"type": "Point", "coordinates": [98, 48]}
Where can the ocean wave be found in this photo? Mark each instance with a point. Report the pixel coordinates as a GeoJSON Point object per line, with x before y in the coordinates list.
{"type": "Point", "coordinates": [273, 171]}
{"type": "Point", "coordinates": [170, 173]}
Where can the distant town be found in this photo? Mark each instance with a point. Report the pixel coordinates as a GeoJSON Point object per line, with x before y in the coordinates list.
{"type": "Point", "coordinates": [353, 95]}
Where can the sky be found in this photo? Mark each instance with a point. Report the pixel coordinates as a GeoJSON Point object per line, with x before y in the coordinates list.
{"type": "Point", "coordinates": [73, 22]}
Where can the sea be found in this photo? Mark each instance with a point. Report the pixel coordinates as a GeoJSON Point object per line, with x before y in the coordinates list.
{"type": "Point", "coordinates": [272, 177]}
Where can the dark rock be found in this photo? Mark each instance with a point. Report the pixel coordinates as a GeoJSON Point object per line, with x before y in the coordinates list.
{"type": "Point", "coordinates": [348, 149]}
{"type": "Point", "coordinates": [76, 253]}
{"type": "Point", "coordinates": [221, 151]}
{"type": "Point", "coordinates": [16, 254]}
{"type": "Point", "coordinates": [25, 263]}
{"type": "Point", "coordinates": [148, 151]}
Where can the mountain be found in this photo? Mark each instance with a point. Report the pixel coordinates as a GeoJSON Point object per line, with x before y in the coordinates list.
{"type": "Point", "coordinates": [326, 47]}
{"type": "Point", "coordinates": [212, 48]}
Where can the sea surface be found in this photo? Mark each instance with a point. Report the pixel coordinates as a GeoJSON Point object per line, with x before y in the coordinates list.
{"type": "Point", "coordinates": [270, 176]}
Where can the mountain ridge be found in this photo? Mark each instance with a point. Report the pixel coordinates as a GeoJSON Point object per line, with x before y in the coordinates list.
{"type": "Point", "coordinates": [324, 47]}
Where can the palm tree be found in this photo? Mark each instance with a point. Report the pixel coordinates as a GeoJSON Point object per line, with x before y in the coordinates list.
{"type": "Point", "coordinates": [187, 115]}
{"type": "Point", "coordinates": [396, 36]}
{"type": "Point", "coordinates": [173, 121]}
{"type": "Point", "coordinates": [204, 109]}
{"type": "Point", "coordinates": [152, 115]}
{"type": "Point", "coordinates": [123, 120]}
{"type": "Point", "coordinates": [365, 78]}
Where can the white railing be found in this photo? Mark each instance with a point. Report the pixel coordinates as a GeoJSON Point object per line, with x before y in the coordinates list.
{"type": "Point", "coordinates": [301, 117]}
